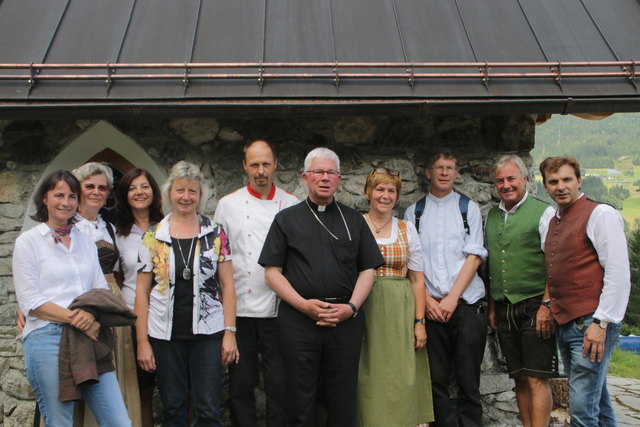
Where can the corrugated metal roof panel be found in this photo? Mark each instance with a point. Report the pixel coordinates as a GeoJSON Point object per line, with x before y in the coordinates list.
{"type": "Point", "coordinates": [230, 31]}
{"type": "Point", "coordinates": [392, 32]}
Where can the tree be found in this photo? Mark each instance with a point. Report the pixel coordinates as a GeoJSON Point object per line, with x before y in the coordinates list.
{"type": "Point", "coordinates": [542, 194]}
{"type": "Point", "coordinates": [594, 188]}
{"type": "Point", "coordinates": [633, 311]}
{"type": "Point", "coordinates": [619, 192]}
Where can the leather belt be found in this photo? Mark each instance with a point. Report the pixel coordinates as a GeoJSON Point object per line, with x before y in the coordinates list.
{"type": "Point", "coordinates": [336, 300]}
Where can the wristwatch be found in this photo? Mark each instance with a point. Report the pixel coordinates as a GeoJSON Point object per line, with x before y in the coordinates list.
{"type": "Point", "coordinates": [353, 307]}
{"type": "Point", "coordinates": [546, 303]}
{"type": "Point", "coordinates": [601, 323]}
{"type": "Point", "coordinates": [231, 329]}
{"type": "Point", "coordinates": [423, 321]}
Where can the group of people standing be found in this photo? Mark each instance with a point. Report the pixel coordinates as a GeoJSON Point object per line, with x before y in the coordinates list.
{"type": "Point", "coordinates": [370, 314]}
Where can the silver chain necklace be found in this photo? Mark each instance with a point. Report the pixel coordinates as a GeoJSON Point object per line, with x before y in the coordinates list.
{"type": "Point", "coordinates": [186, 273]}
{"type": "Point", "coordinates": [325, 227]}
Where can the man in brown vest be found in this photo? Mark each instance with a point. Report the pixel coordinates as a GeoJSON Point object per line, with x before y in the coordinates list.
{"type": "Point", "coordinates": [588, 282]}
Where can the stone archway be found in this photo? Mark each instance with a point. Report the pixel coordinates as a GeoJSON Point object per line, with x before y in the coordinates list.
{"type": "Point", "coordinates": [102, 143]}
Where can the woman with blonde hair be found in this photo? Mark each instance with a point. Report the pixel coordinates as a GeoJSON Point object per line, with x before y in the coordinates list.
{"type": "Point", "coordinates": [185, 302]}
{"type": "Point", "coordinates": [394, 386]}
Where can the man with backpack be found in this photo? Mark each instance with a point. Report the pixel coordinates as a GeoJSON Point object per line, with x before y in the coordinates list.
{"type": "Point", "coordinates": [450, 228]}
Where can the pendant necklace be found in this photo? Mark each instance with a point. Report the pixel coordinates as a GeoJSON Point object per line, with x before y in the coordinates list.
{"type": "Point", "coordinates": [325, 227]}
{"type": "Point", "coordinates": [186, 273]}
{"type": "Point", "coordinates": [95, 223]}
{"type": "Point", "coordinates": [379, 229]}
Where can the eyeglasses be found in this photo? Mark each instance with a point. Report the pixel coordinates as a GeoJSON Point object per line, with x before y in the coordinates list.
{"type": "Point", "coordinates": [91, 187]}
{"type": "Point", "coordinates": [444, 168]}
{"type": "Point", "coordinates": [386, 171]}
{"type": "Point", "coordinates": [319, 173]}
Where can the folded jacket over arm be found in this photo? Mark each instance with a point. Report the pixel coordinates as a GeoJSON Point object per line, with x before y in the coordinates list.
{"type": "Point", "coordinates": [81, 360]}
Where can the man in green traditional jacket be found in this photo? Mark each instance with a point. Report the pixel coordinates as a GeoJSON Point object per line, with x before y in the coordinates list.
{"type": "Point", "coordinates": [518, 305]}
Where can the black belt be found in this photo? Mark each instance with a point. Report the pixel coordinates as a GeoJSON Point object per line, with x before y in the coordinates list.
{"type": "Point", "coordinates": [336, 300]}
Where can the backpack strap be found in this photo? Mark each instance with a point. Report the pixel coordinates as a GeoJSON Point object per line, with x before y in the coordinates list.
{"type": "Point", "coordinates": [419, 209]}
{"type": "Point", "coordinates": [463, 203]}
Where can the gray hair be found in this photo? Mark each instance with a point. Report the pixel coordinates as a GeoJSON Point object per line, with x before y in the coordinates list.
{"type": "Point", "coordinates": [188, 170]}
{"type": "Point", "coordinates": [511, 158]}
{"type": "Point", "coordinates": [321, 153]}
{"type": "Point", "coordinates": [94, 168]}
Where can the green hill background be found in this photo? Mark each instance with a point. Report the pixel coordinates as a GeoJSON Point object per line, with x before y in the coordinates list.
{"type": "Point", "coordinates": [595, 143]}
{"type": "Point", "coordinates": [603, 148]}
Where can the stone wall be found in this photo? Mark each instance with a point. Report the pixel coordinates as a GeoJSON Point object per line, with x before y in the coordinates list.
{"type": "Point", "coordinates": [27, 148]}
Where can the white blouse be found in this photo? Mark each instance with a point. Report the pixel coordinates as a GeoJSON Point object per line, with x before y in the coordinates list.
{"type": "Point", "coordinates": [97, 230]}
{"type": "Point", "coordinates": [45, 271]}
{"type": "Point", "coordinates": [129, 247]}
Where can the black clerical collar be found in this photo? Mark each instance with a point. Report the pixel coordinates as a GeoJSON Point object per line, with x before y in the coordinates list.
{"type": "Point", "coordinates": [321, 208]}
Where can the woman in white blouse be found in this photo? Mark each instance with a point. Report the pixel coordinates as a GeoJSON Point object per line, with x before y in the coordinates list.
{"type": "Point", "coordinates": [138, 206]}
{"type": "Point", "coordinates": [52, 264]}
{"type": "Point", "coordinates": [96, 182]}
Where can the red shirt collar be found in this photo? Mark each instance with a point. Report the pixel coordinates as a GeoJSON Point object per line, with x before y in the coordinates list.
{"type": "Point", "coordinates": [257, 195]}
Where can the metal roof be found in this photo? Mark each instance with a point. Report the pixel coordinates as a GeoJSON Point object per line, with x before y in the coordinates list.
{"type": "Point", "coordinates": [188, 57]}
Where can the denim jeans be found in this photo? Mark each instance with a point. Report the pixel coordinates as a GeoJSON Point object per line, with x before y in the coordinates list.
{"type": "Point", "coordinates": [589, 401]}
{"type": "Point", "coordinates": [184, 364]}
{"type": "Point", "coordinates": [104, 398]}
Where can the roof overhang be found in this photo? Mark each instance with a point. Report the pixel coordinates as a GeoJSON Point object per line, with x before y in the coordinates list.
{"type": "Point", "coordinates": [307, 108]}
{"type": "Point", "coordinates": [308, 57]}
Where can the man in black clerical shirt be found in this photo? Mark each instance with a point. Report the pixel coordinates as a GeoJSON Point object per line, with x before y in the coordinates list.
{"type": "Point", "coordinates": [319, 257]}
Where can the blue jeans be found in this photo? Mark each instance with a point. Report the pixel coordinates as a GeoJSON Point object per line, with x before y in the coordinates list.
{"type": "Point", "coordinates": [184, 364]}
{"type": "Point", "coordinates": [589, 401]}
{"type": "Point", "coordinates": [104, 398]}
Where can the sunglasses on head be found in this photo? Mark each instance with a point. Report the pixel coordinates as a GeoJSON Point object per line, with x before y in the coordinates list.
{"type": "Point", "coordinates": [383, 171]}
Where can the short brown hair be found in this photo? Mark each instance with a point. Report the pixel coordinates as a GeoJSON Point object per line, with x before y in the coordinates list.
{"type": "Point", "coordinates": [376, 178]}
{"type": "Point", "coordinates": [552, 164]}
{"type": "Point", "coordinates": [444, 154]}
{"type": "Point", "coordinates": [48, 184]}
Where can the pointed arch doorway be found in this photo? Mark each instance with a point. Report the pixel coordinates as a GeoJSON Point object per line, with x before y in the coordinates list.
{"type": "Point", "coordinates": [101, 143]}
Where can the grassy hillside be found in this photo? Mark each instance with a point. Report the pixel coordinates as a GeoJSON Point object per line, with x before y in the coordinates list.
{"type": "Point", "coordinates": [596, 143]}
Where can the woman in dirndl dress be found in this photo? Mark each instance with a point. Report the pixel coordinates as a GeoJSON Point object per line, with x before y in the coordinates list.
{"type": "Point", "coordinates": [394, 385]}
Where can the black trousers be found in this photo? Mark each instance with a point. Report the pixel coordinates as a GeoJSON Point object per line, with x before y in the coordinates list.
{"type": "Point", "coordinates": [455, 352]}
{"type": "Point", "coordinates": [320, 358]}
{"type": "Point", "coordinates": [257, 342]}
{"type": "Point", "coordinates": [184, 364]}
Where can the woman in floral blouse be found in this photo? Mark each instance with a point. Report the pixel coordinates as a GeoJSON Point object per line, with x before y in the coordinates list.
{"type": "Point", "coordinates": [184, 331]}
